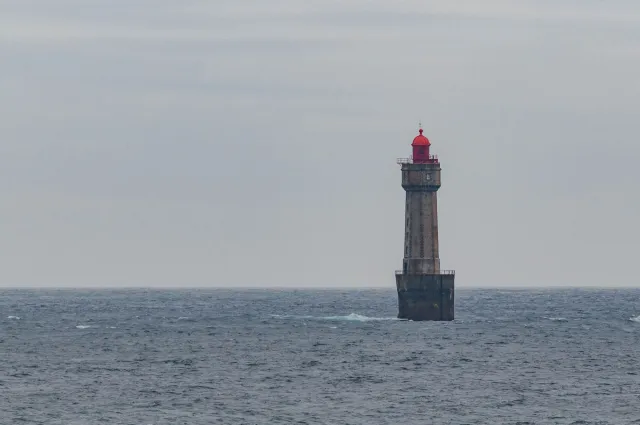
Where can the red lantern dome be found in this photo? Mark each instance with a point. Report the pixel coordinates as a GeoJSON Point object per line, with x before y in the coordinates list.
{"type": "Point", "coordinates": [421, 140]}
{"type": "Point", "coordinates": [421, 150]}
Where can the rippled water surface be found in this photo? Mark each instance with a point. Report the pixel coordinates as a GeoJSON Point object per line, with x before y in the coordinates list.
{"type": "Point", "coordinates": [317, 357]}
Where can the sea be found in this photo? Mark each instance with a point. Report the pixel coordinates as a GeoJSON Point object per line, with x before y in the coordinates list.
{"type": "Point", "coordinates": [250, 356]}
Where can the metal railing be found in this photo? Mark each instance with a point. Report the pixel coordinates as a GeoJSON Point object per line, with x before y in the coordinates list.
{"type": "Point", "coordinates": [432, 159]}
{"type": "Point", "coordinates": [447, 272]}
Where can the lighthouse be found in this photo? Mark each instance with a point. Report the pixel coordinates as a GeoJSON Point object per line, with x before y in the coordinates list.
{"type": "Point", "coordinates": [425, 292]}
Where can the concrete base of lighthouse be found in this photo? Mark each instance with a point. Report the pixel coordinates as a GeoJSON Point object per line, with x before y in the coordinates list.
{"type": "Point", "coordinates": [425, 296]}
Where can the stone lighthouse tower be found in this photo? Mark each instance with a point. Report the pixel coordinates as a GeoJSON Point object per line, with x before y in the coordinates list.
{"type": "Point", "coordinates": [425, 292]}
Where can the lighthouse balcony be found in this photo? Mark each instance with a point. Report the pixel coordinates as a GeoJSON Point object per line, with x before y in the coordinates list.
{"type": "Point", "coordinates": [431, 159]}
{"type": "Point", "coordinates": [440, 272]}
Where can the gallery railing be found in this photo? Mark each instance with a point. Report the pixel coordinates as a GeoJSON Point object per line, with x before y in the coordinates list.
{"type": "Point", "coordinates": [447, 272]}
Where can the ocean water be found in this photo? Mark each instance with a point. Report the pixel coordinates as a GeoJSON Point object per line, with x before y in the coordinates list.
{"type": "Point", "coordinates": [317, 357]}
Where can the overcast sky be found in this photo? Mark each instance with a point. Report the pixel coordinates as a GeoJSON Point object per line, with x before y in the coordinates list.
{"type": "Point", "coordinates": [254, 143]}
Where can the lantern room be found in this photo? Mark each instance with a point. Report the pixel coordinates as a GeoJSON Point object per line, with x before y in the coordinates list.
{"type": "Point", "coordinates": [421, 150]}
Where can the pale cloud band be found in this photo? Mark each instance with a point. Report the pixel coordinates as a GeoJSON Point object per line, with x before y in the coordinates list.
{"type": "Point", "coordinates": [222, 143]}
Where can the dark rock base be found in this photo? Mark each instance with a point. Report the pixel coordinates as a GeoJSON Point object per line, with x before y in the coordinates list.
{"type": "Point", "coordinates": [425, 296]}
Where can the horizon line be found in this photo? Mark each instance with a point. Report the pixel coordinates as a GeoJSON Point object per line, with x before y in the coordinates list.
{"type": "Point", "coordinates": [297, 288]}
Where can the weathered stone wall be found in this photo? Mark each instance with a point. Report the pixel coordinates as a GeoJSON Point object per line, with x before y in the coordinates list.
{"type": "Point", "coordinates": [421, 176]}
{"type": "Point", "coordinates": [423, 292]}
{"type": "Point", "coordinates": [421, 233]}
{"type": "Point", "coordinates": [421, 252]}
{"type": "Point", "coordinates": [426, 297]}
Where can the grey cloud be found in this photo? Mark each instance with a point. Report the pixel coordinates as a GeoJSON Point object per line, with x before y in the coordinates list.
{"type": "Point", "coordinates": [164, 143]}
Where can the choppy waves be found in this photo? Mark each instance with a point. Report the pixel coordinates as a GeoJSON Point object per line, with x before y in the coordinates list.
{"type": "Point", "coordinates": [318, 357]}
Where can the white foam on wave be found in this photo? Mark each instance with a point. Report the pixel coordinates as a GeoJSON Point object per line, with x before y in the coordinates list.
{"type": "Point", "coordinates": [13, 318]}
{"type": "Point", "coordinates": [353, 317]}
{"type": "Point", "coordinates": [83, 326]}
{"type": "Point", "coordinates": [635, 319]}
{"type": "Point", "coordinates": [557, 319]}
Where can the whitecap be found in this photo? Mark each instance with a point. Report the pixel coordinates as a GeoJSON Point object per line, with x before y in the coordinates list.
{"type": "Point", "coordinates": [353, 317]}
{"type": "Point", "coordinates": [13, 318]}
{"type": "Point", "coordinates": [83, 326]}
{"type": "Point", "coordinates": [557, 319]}
{"type": "Point", "coordinates": [635, 319]}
